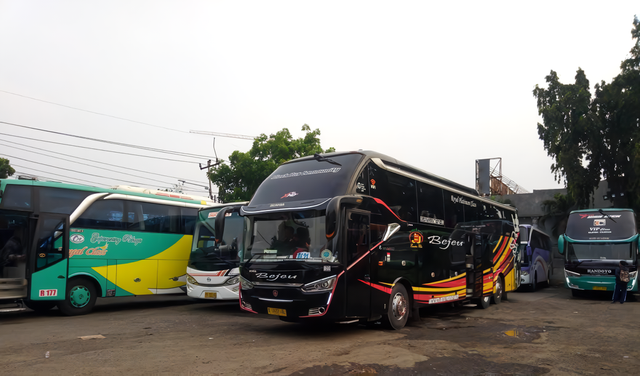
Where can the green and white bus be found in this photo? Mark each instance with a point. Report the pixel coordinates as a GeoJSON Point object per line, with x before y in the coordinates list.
{"type": "Point", "coordinates": [65, 245]}
{"type": "Point", "coordinates": [595, 242]}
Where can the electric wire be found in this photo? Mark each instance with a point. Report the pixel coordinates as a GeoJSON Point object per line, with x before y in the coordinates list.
{"type": "Point", "coordinates": [97, 149]}
{"type": "Point", "coordinates": [83, 173]}
{"type": "Point", "coordinates": [94, 166]}
{"type": "Point", "coordinates": [147, 148]}
{"type": "Point", "coordinates": [94, 112]}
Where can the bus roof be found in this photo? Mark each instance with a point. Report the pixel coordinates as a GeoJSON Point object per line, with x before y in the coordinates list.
{"type": "Point", "coordinates": [400, 166]}
{"type": "Point", "coordinates": [171, 196]}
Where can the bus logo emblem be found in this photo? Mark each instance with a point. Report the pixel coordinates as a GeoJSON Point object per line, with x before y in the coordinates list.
{"type": "Point", "coordinates": [290, 194]}
{"type": "Point", "coordinates": [77, 238]}
{"type": "Point", "coordinates": [416, 239]}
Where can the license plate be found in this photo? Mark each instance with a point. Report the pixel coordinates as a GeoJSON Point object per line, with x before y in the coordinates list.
{"type": "Point", "coordinates": [210, 295]}
{"type": "Point", "coordinates": [276, 311]}
{"type": "Point", "coordinates": [600, 288]}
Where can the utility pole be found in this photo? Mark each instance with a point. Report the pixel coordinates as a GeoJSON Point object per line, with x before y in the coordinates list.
{"type": "Point", "coordinates": [208, 167]}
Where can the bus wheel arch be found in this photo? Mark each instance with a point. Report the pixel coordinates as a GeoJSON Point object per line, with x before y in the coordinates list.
{"type": "Point", "coordinates": [80, 297]}
{"type": "Point", "coordinates": [399, 307]}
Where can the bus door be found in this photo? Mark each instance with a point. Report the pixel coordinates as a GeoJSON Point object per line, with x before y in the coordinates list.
{"type": "Point", "coordinates": [475, 265]}
{"type": "Point", "coordinates": [49, 255]}
{"type": "Point", "coordinates": [15, 232]}
{"type": "Point", "coordinates": [358, 264]}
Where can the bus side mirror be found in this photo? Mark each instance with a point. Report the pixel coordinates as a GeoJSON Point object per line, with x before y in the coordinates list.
{"type": "Point", "coordinates": [561, 244]}
{"type": "Point", "coordinates": [333, 212]}
{"type": "Point", "coordinates": [219, 223]}
{"type": "Point", "coordinates": [392, 228]}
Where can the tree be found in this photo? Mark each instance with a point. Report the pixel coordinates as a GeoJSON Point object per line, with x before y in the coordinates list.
{"type": "Point", "coordinates": [5, 169]}
{"type": "Point", "coordinates": [594, 138]}
{"type": "Point", "coordinates": [238, 180]}
{"type": "Point", "coordinates": [557, 210]}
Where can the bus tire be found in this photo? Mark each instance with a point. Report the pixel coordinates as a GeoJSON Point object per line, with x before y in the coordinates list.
{"type": "Point", "coordinates": [39, 305]}
{"type": "Point", "coordinates": [484, 302]}
{"type": "Point", "coordinates": [80, 298]}
{"type": "Point", "coordinates": [534, 283]}
{"type": "Point", "coordinates": [497, 296]}
{"type": "Point", "coordinates": [399, 307]}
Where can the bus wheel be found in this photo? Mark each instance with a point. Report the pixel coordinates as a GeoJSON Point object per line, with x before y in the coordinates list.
{"type": "Point", "coordinates": [534, 283]}
{"type": "Point", "coordinates": [39, 305]}
{"type": "Point", "coordinates": [484, 303]}
{"type": "Point", "coordinates": [399, 307]}
{"type": "Point", "coordinates": [497, 296]}
{"type": "Point", "coordinates": [80, 299]}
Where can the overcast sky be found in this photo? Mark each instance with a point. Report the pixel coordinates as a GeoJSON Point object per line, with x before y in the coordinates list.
{"type": "Point", "coordinates": [433, 84]}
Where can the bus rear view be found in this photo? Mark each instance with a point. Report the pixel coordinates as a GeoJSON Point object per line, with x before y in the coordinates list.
{"type": "Point", "coordinates": [595, 242]}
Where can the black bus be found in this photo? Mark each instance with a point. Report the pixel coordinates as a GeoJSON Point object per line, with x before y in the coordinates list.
{"type": "Point", "coordinates": [360, 236]}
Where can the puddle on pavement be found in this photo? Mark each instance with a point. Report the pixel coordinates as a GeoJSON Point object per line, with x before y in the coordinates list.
{"type": "Point", "coordinates": [512, 333]}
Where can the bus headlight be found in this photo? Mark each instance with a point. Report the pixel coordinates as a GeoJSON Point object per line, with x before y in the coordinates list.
{"type": "Point", "coordinates": [192, 280]}
{"type": "Point", "coordinates": [325, 284]}
{"type": "Point", "coordinates": [633, 274]}
{"type": "Point", "coordinates": [569, 273]}
{"type": "Point", "coordinates": [524, 273]}
{"type": "Point", "coordinates": [232, 281]}
{"type": "Point", "coordinates": [245, 284]}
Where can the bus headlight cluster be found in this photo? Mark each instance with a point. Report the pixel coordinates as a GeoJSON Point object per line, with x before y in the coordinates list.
{"type": "Point", "coordinates": [633, 274]}
{"type": "Point", "coordinates": [245, 284]}
{"type": "Point", "coordinates": [232, 281]}
{"type": "Point", "coordinates": [192, 280]}
{"type": "Point", "coordinates": [524, 273]}
{"type": "Point", "coordinates": [569, 273]}
{"type": "Point", "coordinates": [325, 284]}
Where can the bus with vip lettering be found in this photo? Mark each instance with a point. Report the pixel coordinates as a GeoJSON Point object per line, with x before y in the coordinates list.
{"type": "Point", "coordinates": [594, 243]}
{"type": "Point", "coordinates": [66, 245]}
{"type": "Point", "coordinates": [362, 237]}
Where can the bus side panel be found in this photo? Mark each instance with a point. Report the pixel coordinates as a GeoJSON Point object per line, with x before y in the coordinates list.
{"type": "Point", "coordinates": [79, 267]}
{"type": "Point", "coordinates": [47, 284]}
{"type": "Point", "coordinates": [503, 261]}
{"type": "Point", "coordinates": [172, 265]}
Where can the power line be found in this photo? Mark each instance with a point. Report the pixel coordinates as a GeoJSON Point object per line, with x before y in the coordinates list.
{"type": "Point", "coordinates": [125, 119]}
{"type": "Point", "coordinates": [147, 148]}
{"type": "Point", "coordinates": [108, 164]}
{"type": "Point", "coordinates": [66, 169]}
{"type": "Point", "coordinates": [74, 180]}
{"type": "Point", "coordinates": [97, 149]}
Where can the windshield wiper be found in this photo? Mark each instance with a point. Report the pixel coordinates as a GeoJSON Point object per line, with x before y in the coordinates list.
{"type": "Point", "coordinates": [606, 215]}
{"type": "Point", "coordinates": [320, 158]}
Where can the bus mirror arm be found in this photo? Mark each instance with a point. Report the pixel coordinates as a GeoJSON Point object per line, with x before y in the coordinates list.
{"type": "Point", "coordinates": [219, 224]}
{"type": "Point", "coordinates": [392, 228]}
{"type": "Point", "coordinates": [333, 213]}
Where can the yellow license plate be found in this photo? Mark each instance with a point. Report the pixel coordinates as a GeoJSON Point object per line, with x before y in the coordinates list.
{"type": "Point", "coordinates": [600, 288]}
{"type": "Point", "coordinates": [210, 295]}
{"type": "Point", "coordinates": [276, 311]}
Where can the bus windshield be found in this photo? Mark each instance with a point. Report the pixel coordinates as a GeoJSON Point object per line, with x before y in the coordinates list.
{"type": "Point", "coordinates": [205, 256]}
{"type": "Point", "coordinates": [600, 251]}
{"type": "Point", "coordinates": [601, 225]}
{"type": "Point", "coordinates": [298, 236]}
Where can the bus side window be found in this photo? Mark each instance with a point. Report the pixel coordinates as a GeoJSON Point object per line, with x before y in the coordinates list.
{"type": "Point", "coordinates": [362, 183]}
{"type": "Point", "coordinates": [188, 217]}
{"type": "Point", "coordinates": [430, 204]}
{"type": "Point", "coordinates": [135, 217]}
{"type": "Point", "coordinates": [103, 214]}
{"type": "Point", "coordinates": [454, 211]}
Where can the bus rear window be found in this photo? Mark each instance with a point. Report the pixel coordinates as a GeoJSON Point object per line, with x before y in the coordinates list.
{"type": "Point", "coordinates": [17, 197]}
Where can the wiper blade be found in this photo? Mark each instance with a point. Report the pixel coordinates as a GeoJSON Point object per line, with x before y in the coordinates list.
{"type": "Point", "coordinates": [606, 215]}
{"type": "Point", "coordinates": [320, 158]}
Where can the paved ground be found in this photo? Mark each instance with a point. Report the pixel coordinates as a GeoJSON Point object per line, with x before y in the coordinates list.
{"type": "Point", "coordinates": [546, 332]}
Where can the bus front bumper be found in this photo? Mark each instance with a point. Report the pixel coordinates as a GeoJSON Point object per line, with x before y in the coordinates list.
{"type": "Point", "coordinates": [587, 282]}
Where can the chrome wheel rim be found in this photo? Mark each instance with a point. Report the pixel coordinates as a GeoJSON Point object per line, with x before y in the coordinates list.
{"type": "Point", "coordinates": [399, 306]}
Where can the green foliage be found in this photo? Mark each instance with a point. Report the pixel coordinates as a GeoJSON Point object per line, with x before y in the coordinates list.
{"type": "Point", "coordinates": [5, 169]}
{"type": "Point", "coordinates": [557, 210]}
{"type": "Point", "coordinates": [238, 180]}
{"type": "Point", "coordinates": [594, 138]}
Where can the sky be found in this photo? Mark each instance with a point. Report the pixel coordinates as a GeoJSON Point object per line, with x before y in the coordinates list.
{"type": "Point", "coordinates": [436, 85]}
